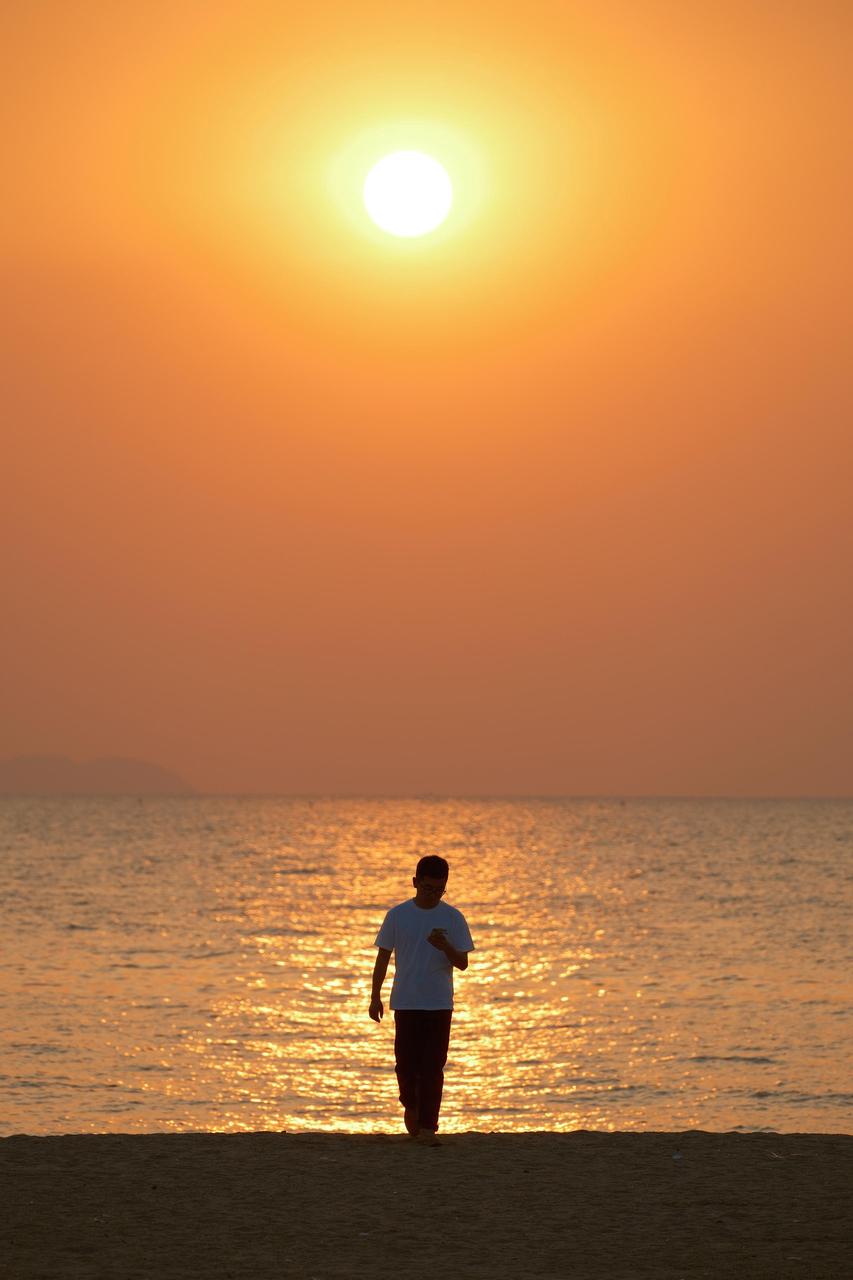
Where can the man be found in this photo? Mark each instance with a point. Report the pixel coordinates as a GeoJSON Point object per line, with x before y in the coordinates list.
{"type": "Point", "coordinates": [429, 939]}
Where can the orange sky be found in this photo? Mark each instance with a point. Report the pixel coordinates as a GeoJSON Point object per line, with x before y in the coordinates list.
{"type": "Point", "coordinates": [555, 501]}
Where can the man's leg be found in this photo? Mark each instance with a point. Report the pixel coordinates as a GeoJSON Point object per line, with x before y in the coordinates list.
{"type": "Point", "coordinates": [434, 1040]}
{"type": "Point", "coordinates": [407, 1063]}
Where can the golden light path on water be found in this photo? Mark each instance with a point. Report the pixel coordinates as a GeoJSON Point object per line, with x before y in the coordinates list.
{"type": "Point", "coordinates": [507, 1046]}
{"type": "Point", "coordinates": [206, 964]}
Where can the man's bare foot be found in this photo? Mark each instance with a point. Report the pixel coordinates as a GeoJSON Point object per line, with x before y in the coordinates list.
{"type": "Point", "coordinates": [428, 1138]}
{"type": "Point", "coordinates": [410, 1119]}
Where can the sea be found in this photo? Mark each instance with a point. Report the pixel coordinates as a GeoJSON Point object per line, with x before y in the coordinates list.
{"type": "Point", "coordinates": [188, 964]}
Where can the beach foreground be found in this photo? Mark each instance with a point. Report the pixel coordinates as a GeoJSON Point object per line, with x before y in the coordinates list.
{"type": "Point", "coordinates": [556, 1205]}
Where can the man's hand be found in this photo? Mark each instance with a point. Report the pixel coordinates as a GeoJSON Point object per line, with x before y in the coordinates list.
{"type": "Point", "coordinates": [376, 1010]}
{"type": "Point", "coordinates": [439, 939]}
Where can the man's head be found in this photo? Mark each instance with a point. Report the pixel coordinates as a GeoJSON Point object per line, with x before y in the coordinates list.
{"type": "Point", "coordinates": [430, 880]}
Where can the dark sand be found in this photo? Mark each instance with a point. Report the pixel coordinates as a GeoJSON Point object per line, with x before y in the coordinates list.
{"type": "Point", "coordinates": [562, 1206]}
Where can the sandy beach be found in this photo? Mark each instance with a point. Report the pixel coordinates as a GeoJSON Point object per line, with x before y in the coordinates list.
{"type": "Point", "coordinates": [579, 1205]}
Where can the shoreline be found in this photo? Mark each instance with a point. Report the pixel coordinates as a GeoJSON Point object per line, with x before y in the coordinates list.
{"type": "Point", "coordinates": [615, 1206]}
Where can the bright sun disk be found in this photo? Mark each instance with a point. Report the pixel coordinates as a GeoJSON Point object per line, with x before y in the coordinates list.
{"type": "Point", "coordinates": [408, 193]}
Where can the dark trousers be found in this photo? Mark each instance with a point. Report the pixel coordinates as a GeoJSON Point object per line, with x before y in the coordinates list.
{"type": "Point", "coordinates": [421, 1039]}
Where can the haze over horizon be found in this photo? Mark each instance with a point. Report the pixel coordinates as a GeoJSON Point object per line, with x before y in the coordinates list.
{"type": "Point", "coordinates": [557, 506]}
{"type": "Point", "coordinates": [57, 776]}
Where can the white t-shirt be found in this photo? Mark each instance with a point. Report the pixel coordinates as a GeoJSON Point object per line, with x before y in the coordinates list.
{"type": "Point", "coordinates": [423, 975]}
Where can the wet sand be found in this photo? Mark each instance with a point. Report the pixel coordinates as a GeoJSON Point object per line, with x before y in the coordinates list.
{"type": "Point", "coordinates": [565, 1206]}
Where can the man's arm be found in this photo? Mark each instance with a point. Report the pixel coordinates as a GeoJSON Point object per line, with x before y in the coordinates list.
{"type": "Point", "coordinates": [383, 955]}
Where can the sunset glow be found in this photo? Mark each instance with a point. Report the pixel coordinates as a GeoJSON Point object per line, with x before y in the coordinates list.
{"type": "Point", "coordinates": [551, 498]}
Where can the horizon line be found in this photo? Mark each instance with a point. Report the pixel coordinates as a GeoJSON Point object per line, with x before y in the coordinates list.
{"type": "Point", "coordinates": [193, 793]}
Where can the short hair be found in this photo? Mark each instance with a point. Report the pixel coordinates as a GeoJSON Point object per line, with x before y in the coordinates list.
{"type": "Point", "coordinates": [432, 865]}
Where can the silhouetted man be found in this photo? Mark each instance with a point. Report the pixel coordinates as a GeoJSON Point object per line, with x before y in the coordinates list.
{"type": "Point", "coordinates": [429, 939]}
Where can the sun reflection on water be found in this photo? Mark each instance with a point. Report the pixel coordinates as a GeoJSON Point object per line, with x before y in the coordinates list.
{"type": "Point", "coordinates": [218, 973]}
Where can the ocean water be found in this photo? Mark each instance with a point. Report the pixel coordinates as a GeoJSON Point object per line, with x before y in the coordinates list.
{"type": "Point", "coordinates": [205, 963]}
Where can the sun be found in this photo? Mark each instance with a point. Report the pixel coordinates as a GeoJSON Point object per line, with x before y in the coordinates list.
{"type": "Point", "coordinates": [408, 193]}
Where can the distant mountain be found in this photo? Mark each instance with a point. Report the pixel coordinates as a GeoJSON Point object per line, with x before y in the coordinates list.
{"type": "Point", "coordinates": [114, 776]}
